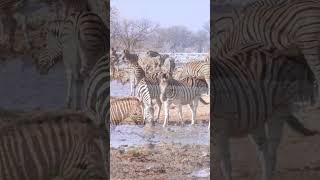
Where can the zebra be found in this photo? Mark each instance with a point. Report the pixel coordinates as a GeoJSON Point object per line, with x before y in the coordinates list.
{"type": "Point", "coordinates": [136, 72]}
{"type": "Point", "coordinates": [54, 144]}
{"type": "Point", "coordinates": [187, 91]}
{"type": "Point", "coordinates": [148, 90]}
{"type": "Point", "coordinates": [52, 51]}
{"type": "Point", "coordinates": [126, 107]}
{"type": "Point", "coordinates": [97, 96]}
{"type": "Point", "coordinates": [256, 86]}
{"type": "Point", "coordinates": [97, 89]}
{"type": "Point", "coordinates": [199, 69]}
{"type": "Point", "coordinates": [81, 39]}
{"type": "Point", "coordinates": [290, 26]}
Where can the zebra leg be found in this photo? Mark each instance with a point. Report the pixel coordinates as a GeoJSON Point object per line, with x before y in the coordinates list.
{"type": "Point", "coordinates": [159, 108]}
{"type": "Point", "coordinates": [12, 25]}
{"type": "Point", "coordinates": [23, 19]}
{"type": "Point", "coordinates": [78, 93]}
{"type": "Point", "coordinates": [180, 113]}
{"type": "Point", "coordinates": [69, 88]}
{"type": "Point", "coordinates": [274, 130]}
{"type": "Point", "coordinates": [166, 113]}
{"type": "Point", "coordinates": [260, 139]}
{"type": "Point", "coordinates": [222, 157]}
{"type": "Point", "coordinates": [193, 107]}
{"type": "Point", "coordinates": [132, 86]}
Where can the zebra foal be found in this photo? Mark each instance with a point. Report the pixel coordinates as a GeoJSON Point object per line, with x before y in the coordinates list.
{"type": "Point", "coordinates": [187, 91]}
{"type": "Point", "coordinates": [51, 145]}
{"type": "Point", "coordinates": [256, 87]}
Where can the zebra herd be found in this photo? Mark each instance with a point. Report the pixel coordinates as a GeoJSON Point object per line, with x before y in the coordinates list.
{"type": "Point", "coordinates": [65, 144]}
{"type": "Point", "coordinates": [265, 59]}
{"type": "Point", "coordinates": [151, 82]}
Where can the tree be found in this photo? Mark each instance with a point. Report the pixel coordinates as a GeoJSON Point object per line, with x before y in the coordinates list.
{"type": "Point", "coordinates": [131, 32]}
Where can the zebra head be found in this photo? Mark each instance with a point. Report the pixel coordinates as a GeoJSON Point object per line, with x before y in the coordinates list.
{"type": "Point", "coordinates": [126, 56]}
{"type": "Point", "coordinates": [45, 63]}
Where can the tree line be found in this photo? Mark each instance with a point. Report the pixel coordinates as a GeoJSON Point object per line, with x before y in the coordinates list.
{"type": "Point", "coordinates": [143, 34]}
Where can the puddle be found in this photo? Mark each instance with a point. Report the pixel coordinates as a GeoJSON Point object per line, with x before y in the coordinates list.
{"type": "Point", "coordinates": [133, 135]}
{"type": "Point", "coordinates": [203, 173]}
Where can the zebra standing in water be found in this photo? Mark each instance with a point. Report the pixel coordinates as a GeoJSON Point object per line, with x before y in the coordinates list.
{"type": "Point", "coordinates": [127, 107]}
{"type": "Point", "coordinates": [51, 145]}
{"type": "Point", "coordinates": [290, 26]}
{"type": "Point", "coordinates": [187, 91]}
{"type": "Point", "coordinates": [81, 39]}
{"type": "Point", "coordinates": [256, 87]}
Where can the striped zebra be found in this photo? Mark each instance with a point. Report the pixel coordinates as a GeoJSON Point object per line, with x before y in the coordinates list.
{"type": "Point", "coordinates": [188, 91]}
{"type": "Point", "coordinates": [256, 86]}
{"type": "Point", "coordinates": [136, 72]}
{"type": "Point", "coordinates": [148, 90]}
{"type": "Point", "coordinates": [199, 69]}
{"type": "Point", "coordinates": [97, 97]}
{"type": "Point", "coordinates": [126, 107]}
{"type": "Point", "coordinates": [51, 145]}
{"type": "Point", "coordinates": [290, 26]}
{"type": "Point", "coordinates": [81, 39]}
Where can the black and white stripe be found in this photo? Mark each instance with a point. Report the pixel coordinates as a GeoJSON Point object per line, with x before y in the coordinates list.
{"type": "Point", "coordinates": [126, 107]}
{"type": "Point", "coordinates": [254, 85]}
{"type": "Point", "coordinates": [51, 145]}
{"type": "Point", "coordinates": [185, 92]}
{"type": "Point", "coordinates": [292, 27]}
{"type": "Point", "coordinates": [81, 39]}
{"type": "Point", "coordinates": [199, 69]}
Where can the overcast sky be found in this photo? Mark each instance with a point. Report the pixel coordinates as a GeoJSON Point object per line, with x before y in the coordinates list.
{"type": "Point", "coordinates": [190, 13]}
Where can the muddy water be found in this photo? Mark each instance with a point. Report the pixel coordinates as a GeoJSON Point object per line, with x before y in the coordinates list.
{"type": "Point", "coordinates": [132, 135]}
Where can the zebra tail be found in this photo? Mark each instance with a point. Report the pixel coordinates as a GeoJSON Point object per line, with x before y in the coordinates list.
{"type": "Point", "coordinates": [296, 125]}
{"type": "Point", "coordinates": [203, 101]}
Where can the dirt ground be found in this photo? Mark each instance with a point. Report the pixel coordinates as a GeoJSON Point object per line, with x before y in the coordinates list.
{"type": "Point", "coordinates": [298, 156]}
{"type": "Point", "coordinates": [163, 161]}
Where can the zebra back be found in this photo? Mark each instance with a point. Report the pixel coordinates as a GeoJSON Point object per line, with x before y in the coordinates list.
{"type": "Point", "coordinates": [198, 84]}
{"type": "Point", "coordinates": [175, 90]}
{"type": "Point", "coordinates": [197, 68]}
